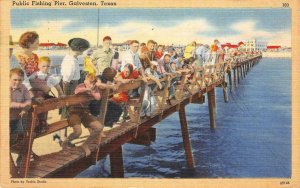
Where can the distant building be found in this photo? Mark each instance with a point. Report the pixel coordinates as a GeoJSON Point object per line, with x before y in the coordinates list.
{"type": "Point", "coordinates": [273, 48]}
{"type": "Point", "coordinates": [255, 45]}
{"type": "Point", "coordinates": [47, 46]}
{"type": "Point", "coordinates": [61, 46]}
{"type": "Point", "coordinates": [52, 46]}
{"type": "Point", "coordinates": [228, 46]}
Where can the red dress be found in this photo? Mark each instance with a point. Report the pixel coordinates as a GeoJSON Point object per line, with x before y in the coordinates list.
{"type": "Point", "coordinates": [123, 96]}
{"type": "Point", "coordinates": [29, 64]}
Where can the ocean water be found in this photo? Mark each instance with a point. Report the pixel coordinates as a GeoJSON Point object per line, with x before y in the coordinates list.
{"type": "Point", "coordinates": [252, 137]}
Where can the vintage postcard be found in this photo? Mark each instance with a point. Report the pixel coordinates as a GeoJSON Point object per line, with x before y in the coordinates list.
{"type": "Point", "coordinates": [140, 94]}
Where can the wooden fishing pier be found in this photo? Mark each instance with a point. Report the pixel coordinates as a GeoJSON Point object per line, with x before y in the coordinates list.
{"type": "Point", "coordinates": [191, 89]}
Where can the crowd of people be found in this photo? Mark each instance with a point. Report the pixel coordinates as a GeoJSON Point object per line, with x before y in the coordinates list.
{"type": "Point", "coordinates": [104, 68]}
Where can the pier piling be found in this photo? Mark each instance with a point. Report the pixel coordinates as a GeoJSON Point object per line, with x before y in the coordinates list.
{"type": "Point", "coordinates": [238, 73]}
{"type": "Point", "coordinates": [230, 80]}
{"type": "Point", "coordinates": [234, 77]}
{"type": "Point", "coordinates": [116, 163]}
{"type": "Point", "coordinates": [212, 107]}
{"type": "Point", "coordinates": [185, 136]}
{"type": "Point", "coordinates": [225, 92]}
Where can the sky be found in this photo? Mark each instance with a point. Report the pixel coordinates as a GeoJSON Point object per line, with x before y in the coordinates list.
{"type": "Point", "coordinates": [166, 26]}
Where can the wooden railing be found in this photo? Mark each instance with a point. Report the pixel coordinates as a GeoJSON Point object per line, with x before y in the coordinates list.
{"type": "Point", "coordinates": [191, 81]}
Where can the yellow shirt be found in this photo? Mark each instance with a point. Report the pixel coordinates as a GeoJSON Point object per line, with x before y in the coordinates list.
{"type": "Point", "coordinates": [188, 52]}
{"type": "Point", "coordinates": [87, 67]}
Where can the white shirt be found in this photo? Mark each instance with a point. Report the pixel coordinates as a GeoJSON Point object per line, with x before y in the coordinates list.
{"type": "Point", "coordinates": [70, 69]}
{"type": "Point", "coordinates": [51, 80]}
{"type": "Point", "coordinates": [131, 58]}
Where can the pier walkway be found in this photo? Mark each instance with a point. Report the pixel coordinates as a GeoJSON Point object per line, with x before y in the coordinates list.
{"type": "Point", "coordinates": [191, 89]}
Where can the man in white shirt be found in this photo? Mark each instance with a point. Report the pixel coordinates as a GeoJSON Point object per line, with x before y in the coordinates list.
{"type": "Point", "coordinates": [131, 56]}
{"type": "Point", "coordinates": [70, 69]}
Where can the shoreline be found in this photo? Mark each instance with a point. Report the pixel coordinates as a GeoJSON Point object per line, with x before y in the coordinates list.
{"type": "Point", "coordinates": [63, 52]}
{"type": "Point", "coordinates": [277, 54]}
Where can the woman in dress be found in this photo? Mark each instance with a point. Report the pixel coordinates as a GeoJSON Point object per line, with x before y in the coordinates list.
{"type": "Point", "coordinates": [26, 59]}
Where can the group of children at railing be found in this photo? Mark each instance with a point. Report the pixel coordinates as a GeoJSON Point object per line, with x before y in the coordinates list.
{"type": "Point", "coordinates": [104, 68]}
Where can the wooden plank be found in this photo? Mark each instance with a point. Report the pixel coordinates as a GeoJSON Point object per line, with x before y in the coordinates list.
{"type": "Point", "coordinates": [53, 104]}
{"type": "Point", "coordinates": [45, 163]}
{"type": "Point", "coordinates": [129, 86]}
{"type": "Point", "coordinates": [53, 127]}
{"type": "Point", "coordinates": [145, 138]}
{"type": "Point", "coordinates": [38, 173]}
{"type": "Point", "coordinates": [13, 168]}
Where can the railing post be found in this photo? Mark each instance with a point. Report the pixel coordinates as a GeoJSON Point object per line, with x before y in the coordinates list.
{"type": "Point", "coordinates": [103, 110]}
{"type": "Point", "coordinates": [103, 106]}
{"type": "Point", "coordinates": [179, 91]}
{"type": "Point", "coordinates": [28, 141]}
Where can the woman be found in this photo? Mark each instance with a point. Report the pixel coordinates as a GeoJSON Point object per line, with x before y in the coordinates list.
{"type": "Point", "coordinates": [26, 59]}
{"type": "Point", "coordinates": [144, 58]}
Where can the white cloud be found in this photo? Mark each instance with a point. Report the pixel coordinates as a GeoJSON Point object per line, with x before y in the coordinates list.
{"type": "Point", "coordinates": [248, 30]}
{"type": "Point", "coordinates": [181, 33]}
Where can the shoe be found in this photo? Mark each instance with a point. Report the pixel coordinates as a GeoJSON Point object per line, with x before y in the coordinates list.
{"type": "Point", "coordinates": [56, 138]}
{"type": "Point", "coordinates": [67, 144]}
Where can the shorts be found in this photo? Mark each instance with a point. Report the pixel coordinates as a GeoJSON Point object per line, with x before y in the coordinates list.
{"type": "Point", "coordinates": [84, 117]}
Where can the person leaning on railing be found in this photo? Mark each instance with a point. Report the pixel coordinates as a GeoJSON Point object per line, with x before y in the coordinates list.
{"type": "Point", "coordinates": [114, 110]}
{"type": "Point", "coordinates": [70, 69]}
{"type": "Point", "coordinates": [149, 102]}
{"type": "Point", "coordinates": [81, 114]}
{"type": "Point", "coordinates": [20, 103]}
{"type": "Point", "coordinates": [42, 82]}
{"type": "Point", "coordinates": [127, 75]}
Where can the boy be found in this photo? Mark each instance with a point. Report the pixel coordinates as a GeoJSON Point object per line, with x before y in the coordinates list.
{"type": "Point", "coordinates": [80, 114]}
{"type": "Point", "coordinates": [42, 82]}
{"type": "Point", "coordinates": [20, 103]}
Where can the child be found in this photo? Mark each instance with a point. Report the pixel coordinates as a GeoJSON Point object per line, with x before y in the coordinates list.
{"type": "Point", "coordinates": [127, 75]}
{"type": "Point", "coordinates": [88, 65]}
{"type": "Point", "coordinates": [20, 103]}
{"type": "Point", "coordinates": [42, 82]}
{"type": "Point", "coordinates": [149, 102]}
{"type": "Point", "coordinates": [80, 114]}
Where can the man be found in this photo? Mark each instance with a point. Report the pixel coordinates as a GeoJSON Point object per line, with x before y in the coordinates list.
{"type": "Point", "coordinates": [173, 55]}
{"type": "Point", "coordinates": [201, 56]}
{"type": "Point", "coordinates": [132, 57]}
{"type": "Point", "coordinates": [102, 57]}
{"type": "Point", "coordinates": [189, 50]}
{"type": "Point", "coordinates": [150, 46]}
{"type": "Point", "coordinates": [214, 51]}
